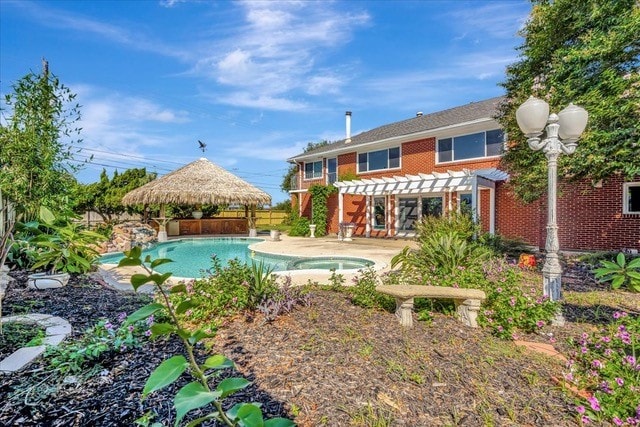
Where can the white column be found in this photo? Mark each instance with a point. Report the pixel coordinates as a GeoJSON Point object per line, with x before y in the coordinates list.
{"type": "Point", "coordinates": [368, 216]}
{"type": "Point", "coordinates": [396, 212]}
{"type": "Point", "coordinates": [340, 208]}
{"type": "Point", "coordinates": [492, 210]}
{"type": "Point", "coordinates": [474, 198]}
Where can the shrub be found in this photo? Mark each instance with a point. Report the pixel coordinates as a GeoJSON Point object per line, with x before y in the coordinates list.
{"type": "Point", "coordinates": [364, 294]}
{"type": "Point", "coordinates": [443, 253]}
{"type": "Point", "coordinates": [299, 226]}
{"type": "Point", "coordinates": [198, 393]}
{"type": "Point", "coordinates": [509, 308]}
{"type": "Point", "coordinates": [105, 336]}
{"type": "Point", "coordinates": [620, 273]}
{"type": "Point", "coordinates": [229, 290]}
{"type": "Point", "coordinates": [607, 363]}
{"type": "Point", "coordinates": [283, 300]}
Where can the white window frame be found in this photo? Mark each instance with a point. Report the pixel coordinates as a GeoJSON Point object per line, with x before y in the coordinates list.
{"type": "Point", "coordinates": [336, 177]}
{"type": "Point", "coordinates": [313, 177]}
{"type": "Point", "coordinates": [379, 170]}
{"type": "Point", "coordinates": [453, 147]}
{"type": "Point", "coordinates": [625, 198]}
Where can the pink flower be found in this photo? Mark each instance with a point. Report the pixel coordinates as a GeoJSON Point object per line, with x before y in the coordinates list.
{"type": "Point", "coordinates": [540, 323]}
{"type": "Point", "coordinates": [585, 419]}
{"type": "Point", "coordinates": [593, 401]}
{"type": "Point", "coordinates": [580, 409]}
{"type": "Point", "coordinates": [617, 421]}
{"type": "Point", "coordinates": [597, 364]}
{"type": "Point", "coordinates": [619, 381]}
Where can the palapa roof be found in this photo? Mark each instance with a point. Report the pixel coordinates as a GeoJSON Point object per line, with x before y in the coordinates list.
{"type": "Point", "coordinates": [199, 182]}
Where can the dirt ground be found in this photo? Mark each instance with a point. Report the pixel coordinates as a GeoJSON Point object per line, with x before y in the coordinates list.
{"type": "Point", "coordinates": [331, 363]}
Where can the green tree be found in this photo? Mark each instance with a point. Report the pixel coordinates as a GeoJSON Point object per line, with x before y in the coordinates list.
{"type": "Point", "coordinates": [586, 52]}
{"type": "Point", "coordinates": [105, 196]}
{"type": "Point", "coordinates": [36, 137]}
{"type": "Point", "coordinates": [293, 169]}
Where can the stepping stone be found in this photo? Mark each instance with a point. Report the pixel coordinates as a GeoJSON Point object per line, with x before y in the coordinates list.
{"type": "Point", "coordinates": [57, 330]}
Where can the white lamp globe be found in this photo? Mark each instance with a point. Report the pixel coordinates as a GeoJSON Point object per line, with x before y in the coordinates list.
{"type": "Point", "coordinates": [572, 121]}
{"type": "Point", "coordinates": [532, 116]}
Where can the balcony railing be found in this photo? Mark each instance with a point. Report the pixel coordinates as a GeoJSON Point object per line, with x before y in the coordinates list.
{"type": "Point", "coordinates": [294, 183]}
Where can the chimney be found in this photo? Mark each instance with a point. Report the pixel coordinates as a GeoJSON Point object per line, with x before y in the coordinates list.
{"type": "Point", "coordinates": [348, 123]}
{"type": "Point", "coordinates": [419, 114]}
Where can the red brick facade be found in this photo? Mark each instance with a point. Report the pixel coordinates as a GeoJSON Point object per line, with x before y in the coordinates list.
{"type": "Point", "coordinates": [590, 217]}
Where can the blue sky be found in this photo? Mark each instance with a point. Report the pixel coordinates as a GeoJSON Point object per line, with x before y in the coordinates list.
{"type": "Point", "coordinates": [256, 81]}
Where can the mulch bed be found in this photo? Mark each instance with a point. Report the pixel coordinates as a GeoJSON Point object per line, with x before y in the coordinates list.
{"type": "Point", "coordinates": [327, 364]}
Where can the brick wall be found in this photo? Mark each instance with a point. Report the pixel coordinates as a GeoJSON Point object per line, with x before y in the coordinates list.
{"type": "Point", "coordinates": [515, 219]}
{"type": "Point", "coordinates": [589, 217]}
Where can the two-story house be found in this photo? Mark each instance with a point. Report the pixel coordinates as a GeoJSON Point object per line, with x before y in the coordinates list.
{"type": "Point", "coordinates": [391, 176]}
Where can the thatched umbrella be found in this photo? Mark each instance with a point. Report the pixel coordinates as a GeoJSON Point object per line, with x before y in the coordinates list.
{"type": "Point", "coordinates": [198, 183]}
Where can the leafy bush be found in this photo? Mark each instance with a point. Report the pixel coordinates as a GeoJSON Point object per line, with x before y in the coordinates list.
{"type": "Point", "coordinates": [607, 364]}
{"type": "Point", "coordinates": [299, 226]}
{"type": "Point", "coordinates": [229, 290]}
{"type": "Point", "coordinates": [442, 252]}
{"type": "Point", "coordinates": [56, 244]}
{"type": "Point", "coordinates": [510, 308]}
{"type": "Point", "coordinates": [364, 294]}
{"type": "Point", "coordinates": [105, 336]}
{"type": "Point", "coordinates": [458, 223]}
{"type": "Point", "coordinates": [620, 273]}
{"type": "Point", "coordinates": [500, 245]}
{"type": "Point", "coordinates": [283, 300]}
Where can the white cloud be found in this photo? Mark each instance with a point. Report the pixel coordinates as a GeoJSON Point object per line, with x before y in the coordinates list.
{"type": "Point", "coordinates": [499, 20]}
{"type": "Point", "coordinates": [275, 53]}
{"type": "Point", "coordinates": [266, 102]}
{"type": "Point", "coordinates": [123, 124]}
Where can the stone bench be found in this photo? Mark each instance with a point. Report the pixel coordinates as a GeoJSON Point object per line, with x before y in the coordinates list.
{"type": "Point", "coordinates": [467, 301]}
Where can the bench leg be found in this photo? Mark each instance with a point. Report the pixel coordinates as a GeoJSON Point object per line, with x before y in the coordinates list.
{"type": "Point", "coordinates": [404, 310]}
{"type": "Point", "coordinates": [467, 311]}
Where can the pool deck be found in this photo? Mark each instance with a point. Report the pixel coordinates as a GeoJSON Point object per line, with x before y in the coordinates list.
{"type": "Point", "coordinates": [378, 250]}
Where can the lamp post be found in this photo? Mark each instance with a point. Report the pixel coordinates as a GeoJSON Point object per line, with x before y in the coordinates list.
{"type": "Point", "coordinates": [562, 133]}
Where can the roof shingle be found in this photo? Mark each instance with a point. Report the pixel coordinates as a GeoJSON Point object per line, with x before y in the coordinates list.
{"type": "Point", "coordinates": [462, 114]}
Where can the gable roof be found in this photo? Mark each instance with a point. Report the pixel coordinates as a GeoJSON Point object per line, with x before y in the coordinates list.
{"type": "Point", "coordinates": [473, 111]}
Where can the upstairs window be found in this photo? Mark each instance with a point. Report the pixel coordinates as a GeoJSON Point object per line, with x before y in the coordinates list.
{"type": "Point", "coordinates": [332, 170]}
{"type": "Point", "coordinates": [313, 170]}
{"type": "Point", "coordinates": [472, 146]}
{"type": "Point", "coordinates": [631, 198]}
{"type": "Point", "coordinates": [379, 160]}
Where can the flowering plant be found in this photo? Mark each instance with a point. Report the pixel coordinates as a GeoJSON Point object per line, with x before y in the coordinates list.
{"type": "Point", "coordinates": [607, 364]}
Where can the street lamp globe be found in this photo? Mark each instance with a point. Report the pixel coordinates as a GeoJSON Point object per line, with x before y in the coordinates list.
{"type": "Point", "coordinates": [572, 121]}
{"type": "Point", "coordinates": [532, 116]}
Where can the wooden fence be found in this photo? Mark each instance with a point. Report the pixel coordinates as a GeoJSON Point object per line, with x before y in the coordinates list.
{"type": "Point", "coordinates": [264, 217]}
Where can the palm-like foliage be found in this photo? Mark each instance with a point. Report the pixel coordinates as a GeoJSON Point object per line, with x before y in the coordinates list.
{"type": "Point", "coordinates": [620, 273]}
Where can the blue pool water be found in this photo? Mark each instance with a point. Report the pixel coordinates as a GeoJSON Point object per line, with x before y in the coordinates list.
{"type": "Point", "coordinates": [192, 257]}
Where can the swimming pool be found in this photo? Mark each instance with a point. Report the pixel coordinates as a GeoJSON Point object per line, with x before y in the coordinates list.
{"type": "Point", "coordinates": [192, 257]}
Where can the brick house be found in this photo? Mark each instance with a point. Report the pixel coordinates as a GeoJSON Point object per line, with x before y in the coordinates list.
{"type": "Point", "coordinates": [391, 176]}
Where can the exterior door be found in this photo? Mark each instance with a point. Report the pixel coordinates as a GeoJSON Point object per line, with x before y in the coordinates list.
{"type": "Point", "coordinates": [432, 206]}
{"type": "Point", "coordinates": [408, 209]}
